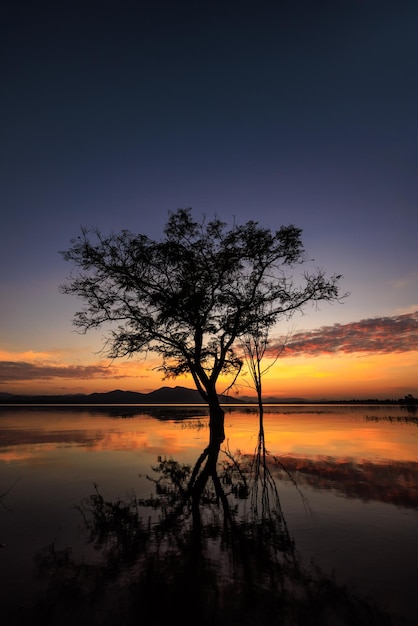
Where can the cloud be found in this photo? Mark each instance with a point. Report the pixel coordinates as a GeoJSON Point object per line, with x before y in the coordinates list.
{"type": "Point", "coordinates": [14, 371]}
{"type": "Point", "coordinates": [380, 335]}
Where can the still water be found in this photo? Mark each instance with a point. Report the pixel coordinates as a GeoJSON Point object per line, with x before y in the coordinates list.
{"type": "Point", "coordinates": [313, 519]}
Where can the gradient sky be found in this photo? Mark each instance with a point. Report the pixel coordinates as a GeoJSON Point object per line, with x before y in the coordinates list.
{"type": "Point", "coordinates": [114, 114]}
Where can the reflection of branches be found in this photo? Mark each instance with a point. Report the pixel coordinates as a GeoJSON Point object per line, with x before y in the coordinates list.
{"type": "Point", "coordinates": [292, 479]}
{"type": "Point", "coordinates": [181, 489]}
{"type": "Point", "coordinates": [194, 552]}
{"type": "Point", "coordinates": [265, 491]}
{"type": "Point", "coordinates": [257, 483]}
{"type": "Point", "coordinates": [3, 495]}
{"type": "Point", "coordinates": [234, 475]}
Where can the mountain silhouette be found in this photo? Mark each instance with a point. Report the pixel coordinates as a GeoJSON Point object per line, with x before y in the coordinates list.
{"type": "Point", "coordinates": [164, 395]}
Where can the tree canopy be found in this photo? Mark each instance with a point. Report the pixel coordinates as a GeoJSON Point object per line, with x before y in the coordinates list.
{"type": "Point", "coordinates": [192, 295]}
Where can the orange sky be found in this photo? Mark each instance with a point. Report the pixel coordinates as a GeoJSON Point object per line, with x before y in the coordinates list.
{"type": "Point", "coordinates": [371, 358]}
{"type": "Point", "coordinates": [358, 375]}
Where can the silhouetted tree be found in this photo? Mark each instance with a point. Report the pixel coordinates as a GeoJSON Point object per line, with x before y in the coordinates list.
{"type": "Point", "coordinates": [192, 295]}
{"type": "Point", "coordinates": [254, 345]}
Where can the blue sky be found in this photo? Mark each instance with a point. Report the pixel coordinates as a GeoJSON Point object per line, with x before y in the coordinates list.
{"type": "Point", "coordinates": [282, 112]}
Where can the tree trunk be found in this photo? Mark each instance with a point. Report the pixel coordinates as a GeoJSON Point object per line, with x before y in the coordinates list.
{"type": "Point", "coordinates": [216, 420]}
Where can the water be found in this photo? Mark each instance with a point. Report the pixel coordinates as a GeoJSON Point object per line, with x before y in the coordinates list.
{"type": "Point", "coordinates": [347, 498]}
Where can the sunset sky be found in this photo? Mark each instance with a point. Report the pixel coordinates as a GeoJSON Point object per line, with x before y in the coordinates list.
{"type": "Point", "coordinates": [305, 113]}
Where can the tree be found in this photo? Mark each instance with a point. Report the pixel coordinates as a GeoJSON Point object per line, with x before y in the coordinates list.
{"type": "Point", "coordinates": [254, 345]}
{"type": "Point", "coordinates": [191, 296]}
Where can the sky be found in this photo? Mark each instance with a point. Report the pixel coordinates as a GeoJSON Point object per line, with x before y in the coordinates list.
{"type": "Point", "coordinates": [297, 112]}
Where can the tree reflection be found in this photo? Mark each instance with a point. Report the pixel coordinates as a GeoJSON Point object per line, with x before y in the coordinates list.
{"type": "Point", "coordinates": [209, 546]}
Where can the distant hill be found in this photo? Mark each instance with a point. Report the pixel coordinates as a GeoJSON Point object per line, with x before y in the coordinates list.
{"type": "Point", "coordinates": [164, 395]}
{"type": "Point", "coordinates": [178, 395]}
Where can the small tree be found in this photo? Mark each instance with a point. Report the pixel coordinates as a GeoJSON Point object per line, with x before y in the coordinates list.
{"type": "Point", "coordinates": [254, 345]}
{"type": "Point", "coordinates": [192, 295]}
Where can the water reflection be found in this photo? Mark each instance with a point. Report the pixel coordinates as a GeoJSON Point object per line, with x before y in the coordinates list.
{"type": "Point", "coordinates": [395, 419]}
{"type": "Point", "coordinates": [210, 545]}
{"type": "Point", "coordinates": [123, 411]}
{"type": "Point", "coordinates": [207, 528]}
{"type": "Point", "coordinates": [394, 482]}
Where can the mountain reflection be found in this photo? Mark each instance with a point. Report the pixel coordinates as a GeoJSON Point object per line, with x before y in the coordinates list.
{"type": "Point", "coordinates": [115, 411]}
{"type": "Point", "coordinates": [210, 545]}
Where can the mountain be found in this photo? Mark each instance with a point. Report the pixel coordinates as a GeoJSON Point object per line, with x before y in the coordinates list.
{"type": "Point", "coordinates": [164, 395]}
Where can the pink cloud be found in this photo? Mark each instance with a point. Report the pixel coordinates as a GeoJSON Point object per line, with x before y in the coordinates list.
{"type": "Point", "coordinates": [380, 335]}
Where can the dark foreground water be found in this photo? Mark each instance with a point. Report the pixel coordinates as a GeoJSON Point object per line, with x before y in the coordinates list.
{"type": "Point", "coordinates": [115, 515]}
